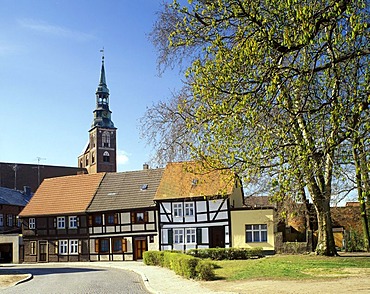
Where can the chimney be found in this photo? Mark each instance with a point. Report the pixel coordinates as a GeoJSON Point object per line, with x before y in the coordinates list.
{"type": "Point", "coordinates": [145, 166]}
{"type": "Point", "coordinates": [27, 190]}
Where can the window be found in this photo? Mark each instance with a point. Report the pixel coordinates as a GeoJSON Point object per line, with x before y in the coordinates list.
{"type": "Point", "coordinates": [178, 235]}
{"type": "Point", "coordinates": [104, 245]}
{"type": "Point", "coordinates": [61, 222]}
{"type": "Point", "coordinates": [190, 235]}
{"type": "Point", "coordinates": [9, 220]}
{"type": "Point", "coordinates": [97, 220]}
{"type": "Point", "coordinates": [1, 220]}
{"type": "Point", "coordinates": [63, 247]}
{"type": "Point", "coordinates": [31, 223]}
{"type": "Point", "coordinates": [111, 219]}
{"type": "Point", "coordinates": [177, 209]}
{"type": "Point", "coordinates": [139, 217]}
{"type": "Point", "coordinates": [73, 246]}
{"type": "Point", "coordinates": [106, 139]}
{"type": "Point", "coordinates": [119, 245]}
{"type": "Point", "coordinates": [106, 156]}
{"type": "Point", "coordinates": [33, 248]}
{"type": "Point", "coordinates": [87, 161]}
{"type": "Point", "coordinates": [189, 209]}
{"type": "Point", "coordinates": [256, 233]}
{"type": "Point", "coordinates": [72, 222]}
{"type": "Point", "coordinates": [93, 158]}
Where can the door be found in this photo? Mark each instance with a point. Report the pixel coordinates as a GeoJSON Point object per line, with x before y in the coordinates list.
{"type": "Point", "coordinates": [43, 251]}
{"type": "Point", "coordinates": [217, 237]}
{"type": "Point", "coordinates": [139, 248]}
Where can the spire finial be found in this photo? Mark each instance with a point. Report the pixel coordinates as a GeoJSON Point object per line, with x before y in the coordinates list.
{"type": "Point", "coordinates": [102, 52]}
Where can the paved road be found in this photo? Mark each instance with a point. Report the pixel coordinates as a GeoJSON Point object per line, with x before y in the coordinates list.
{"type": "Point", "coordinates": [77, 279]}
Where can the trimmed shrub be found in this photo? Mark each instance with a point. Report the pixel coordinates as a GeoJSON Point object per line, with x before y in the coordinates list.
{"type": "Point", "coordinates": [226, 253]}
{"type": "Point", "coordinates": [182, 264]}
{"type": "Point", "coordinates": [153, 257]}
{"type": "Point", "coordinates": [205, 271]}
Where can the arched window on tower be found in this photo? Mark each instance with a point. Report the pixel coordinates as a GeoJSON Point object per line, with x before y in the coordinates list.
{"type": "Point", "coordinates": [106, 156]}
{"type": "Point", "coordinates": [106, 139]}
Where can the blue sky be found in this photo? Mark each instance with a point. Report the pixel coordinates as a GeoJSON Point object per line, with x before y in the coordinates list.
{"type": "Point", "coordinates": [50, 65]}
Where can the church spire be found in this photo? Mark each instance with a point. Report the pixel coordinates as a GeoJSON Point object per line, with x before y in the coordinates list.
{"type": "Point", "coordinates": [102, 82]}
{"type": "Point", "coordinates": [102, 114]}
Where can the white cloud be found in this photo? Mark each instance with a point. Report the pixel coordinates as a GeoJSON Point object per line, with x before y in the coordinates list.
{"type": "Point", "coordinates": [122, 157]}
{"type": "Point", "coordinates": [44, 27]}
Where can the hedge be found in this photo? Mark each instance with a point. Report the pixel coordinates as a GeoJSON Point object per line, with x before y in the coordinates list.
{"type": "Point", "coordinates": [182, 264]}
{"type": "Point", "coordinates": [226, 253]}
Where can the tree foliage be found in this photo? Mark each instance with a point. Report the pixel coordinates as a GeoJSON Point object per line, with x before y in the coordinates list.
{"type": "Point", "coordinates": [277, 89]}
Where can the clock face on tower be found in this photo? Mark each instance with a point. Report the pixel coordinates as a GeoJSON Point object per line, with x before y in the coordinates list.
{"type": "Point", "coordinates": [105, 114]}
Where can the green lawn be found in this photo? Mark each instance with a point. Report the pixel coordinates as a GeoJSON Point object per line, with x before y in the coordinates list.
{"type": "Point", "coordinates": [290, 267]}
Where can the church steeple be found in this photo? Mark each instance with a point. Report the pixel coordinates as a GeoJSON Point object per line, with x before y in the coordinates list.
{"type": "Point", "coordinates": [102, 114]}
{"type": "Point", "coordinates": [101, 151]}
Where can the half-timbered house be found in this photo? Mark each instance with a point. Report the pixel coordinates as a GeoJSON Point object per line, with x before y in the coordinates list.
{"type": "Point", "coordinates": [55, 223]}
{"type": "Point", "coordinates": [194, 206]}
{"type": "Point", "coordinates": [123, 216]}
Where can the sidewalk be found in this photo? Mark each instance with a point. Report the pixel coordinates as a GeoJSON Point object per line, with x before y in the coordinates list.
{"type": "Point", "coordinates": [157, 279]}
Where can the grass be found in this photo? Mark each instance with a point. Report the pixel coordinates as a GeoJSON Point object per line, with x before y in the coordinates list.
{"type": "Point", "coordinates": [291, 267]}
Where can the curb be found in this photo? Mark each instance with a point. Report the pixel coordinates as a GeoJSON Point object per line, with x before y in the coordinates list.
{"type": "Point", "coordinates": [26, 279]}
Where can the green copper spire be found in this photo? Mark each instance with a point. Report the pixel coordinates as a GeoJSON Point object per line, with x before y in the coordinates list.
{"type": "Point", "coordinates": [102, 114]}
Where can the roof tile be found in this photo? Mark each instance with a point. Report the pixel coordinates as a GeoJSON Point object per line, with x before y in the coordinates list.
{"type": "Point", "coordinates": [189, 179]}
{"type": "Point", "coordinates": [127, 190]}
{"type": "Point", "coordinates": [63, 195]}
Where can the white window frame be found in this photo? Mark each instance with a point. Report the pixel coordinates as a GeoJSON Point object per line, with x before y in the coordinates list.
{"type": "Point", "coordinates": [189, 209]}
{"type": "Point", "coordinates": [33, 248]}
{"type": "Point", "coordinates": [32, 223]}
{"type": "Point", "coordinates": [191, 235]}
{"type": "Point", "coordinates": [255, 231]}
{"type": "Point", "coordinates": [9, 220]}
{"type": "Point", "coordinates": [72, 222]}
{"type": "Point", "coordinates": [61, 222]}
{"type": "Point", "coordinates": [177, 209]}
{"type": "Point", "coordinates": [1, 220]}
{"type": "Point", "coordinates": [73, 247]}
{"type": "Point", "coordinates": [63, 247]}
{"type": "Point", "coordinates": [178, 236]}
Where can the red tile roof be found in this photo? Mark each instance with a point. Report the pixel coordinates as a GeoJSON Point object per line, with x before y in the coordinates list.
{"type": "Point", "coordinates": [63, 195]}
{"type": "Point", "coordinates": [188, 179]}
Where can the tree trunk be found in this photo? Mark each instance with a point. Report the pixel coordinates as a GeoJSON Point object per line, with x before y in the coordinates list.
{"type": "Point", "coordinates": [362, 181]}
{"type": "Point", "coordinates": [325, 238]}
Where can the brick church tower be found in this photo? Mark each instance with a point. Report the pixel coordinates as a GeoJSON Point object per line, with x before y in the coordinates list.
{"type": "Point", "coordinates": [100, 152]}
